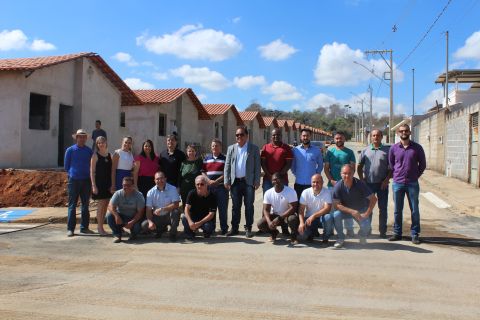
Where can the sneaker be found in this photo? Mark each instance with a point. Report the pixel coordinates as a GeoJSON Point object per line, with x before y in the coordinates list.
{"type": "Point", "coordinates": [86, 231]}
{"type": "Point", "coordinates": [383, 236]}
{"type": "Point", "coordinates": [224, 232]}
{"type": "Point", "coordinates": [362, 240]}
{"type": "Point", "coordinates": [415, 239]}
{"type": "Point", "coordinates": [310, 238]}
{"type": "Point", "coordinates": [232, 232]}
{"type": "Point", "coordinates": [395, 237]}
{"type": "Point", "coordinates": [117, 239]}
{"type": "Point", "coordinates": [206, 235]}
{"type": "Point", "coordinates": [293, 240]}
{"type": "Point", "coordinates": [350, 233]}
{"type": "Point", "coordinates": [132, 237]}
{"type": "Point", "coordinates": [338, 244]}
{"type": "Point", "coordinates": [69, 233]}
{"type": "Point", "coordinates": [173, 237]}
{"type": "Point", "coordinates": [285, 232]}
{"type": "Point", "coordinates": [158, 235]}
{"type": "Point", "coordinates": [190, 237]}
{"type": "Point", "coordinates": [248, 233]}
{"type": "Point", "coordinates": [325, 241]}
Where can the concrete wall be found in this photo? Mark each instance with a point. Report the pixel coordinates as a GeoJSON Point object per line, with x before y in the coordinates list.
{"type": "Point", "coordinates": [255, 132]}
{"type": "Point", "coordinates": [457, 141]}
{"type": "Point", "coordinates": [465, 97]}
{"type": "Point", "coordinates": [431, 135]}
{"type": "Point", "coordinates": [188, 126]}
{"type": "Point", "coordinates": [227, 126]}
{"type": "Point", "coordinates": [78, 84]}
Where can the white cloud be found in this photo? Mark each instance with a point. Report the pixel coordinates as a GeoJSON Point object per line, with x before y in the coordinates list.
{"type": "Point", "coordinates": [160, 76]}
{"type": "Point", "coordinates": [203, 77]}
{"type": "Point", "coordinates": [336, 67]}
{"type": "Point", "coordinates": [193, 42]}
{"type": "Point", "coordinates": [17, 40]}
{"type": "Point", "coordinates": [276, 50]}
{"type": "Point", "coordinates": [282, 91]}
{"type": "Point", "coordinates": [430, 100]}
{"type": "Point", "coordinates": [247, 82]}
{"type": "Point", "coordinates": [136, 83]}
{"type": "Point", "coordinates": [320, 100]}
{"type": "Point", "coordinates": [236, 19]}
{"type": "Point", "coordinates": [202, 97]}
{"type": "Point", "coordinates": [41, 45]}
{"type": "Point", "coordinates": [471, 49]}
{"type": "Point", "coordinates": [125, 58]}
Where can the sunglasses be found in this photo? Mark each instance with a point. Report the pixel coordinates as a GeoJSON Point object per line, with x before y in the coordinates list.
{"type": "Point", "coordinates": [239, 134]}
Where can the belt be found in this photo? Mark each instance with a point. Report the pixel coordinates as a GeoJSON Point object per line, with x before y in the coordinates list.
{"type": "Point", "coordinates": [241, 179]}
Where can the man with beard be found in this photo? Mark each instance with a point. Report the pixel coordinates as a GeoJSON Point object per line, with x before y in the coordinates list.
{"type": "Point", "coordinates": [407, 161]}
{"type": "Point", "coordinates": [336, 157]}
{"type": "Point", "coordinates": [307, 161]}
{"type": "Point", "coordinates": [377, 174]}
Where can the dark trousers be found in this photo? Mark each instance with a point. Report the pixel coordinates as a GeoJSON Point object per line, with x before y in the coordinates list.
{"type": "Point", "coordinates": [117, 228]}
{"type": "Point", "coordinates": [208, 227]}
{"type": "Point", "coordinates": [240, 190]}
{"type": "Point", "coordinates": [382, 196]}
{"type": "Point", "coordinates": [292, 222]}
{"type": "Point", "coordinates": [78, 188]}
{"type": "Point", "coordinates": [171, 218]}
{"type": "Point", "coordinates": [222, 203]}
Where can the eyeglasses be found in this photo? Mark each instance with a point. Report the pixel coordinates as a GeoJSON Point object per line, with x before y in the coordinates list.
{"type": "Point", "coordinates": [239, 134]}
{"type": "Point", "coordinates": [200, 184]}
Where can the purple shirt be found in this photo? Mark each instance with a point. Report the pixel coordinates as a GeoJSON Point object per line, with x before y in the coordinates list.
{"type": "Point", "coordinates": [408, 163]}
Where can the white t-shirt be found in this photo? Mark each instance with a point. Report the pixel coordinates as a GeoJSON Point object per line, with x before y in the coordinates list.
{"type": "Point", "coordinates": [280, 201]}
{"type": "Point", "coordinates": [313, 203]}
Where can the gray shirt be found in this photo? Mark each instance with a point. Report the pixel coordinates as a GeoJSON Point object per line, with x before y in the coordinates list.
{"type": "Point", "coordinates": [375, 163]}
{"type": "Point", "coordinates": [127, 205]}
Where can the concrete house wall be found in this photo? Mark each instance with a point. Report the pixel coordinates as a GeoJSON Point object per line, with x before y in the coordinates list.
{"type": "Point", "coordinates": [431, 135]}
{"type": "Point", "coordinates": [227, 126]}
{"type": "Point", "coordinates": [255, 132]}
{"type": "Point", "coordinates": [77, 84]}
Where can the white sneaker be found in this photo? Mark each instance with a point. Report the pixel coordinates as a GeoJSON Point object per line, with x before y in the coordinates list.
{"type": "Point", "coordinates": [69, 233]}
{"type": "Point", "coordinates": [338, 244]}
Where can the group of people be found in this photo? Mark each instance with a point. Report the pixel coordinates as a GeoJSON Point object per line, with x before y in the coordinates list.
{"type": "Point", "coordinates": [143, 192]}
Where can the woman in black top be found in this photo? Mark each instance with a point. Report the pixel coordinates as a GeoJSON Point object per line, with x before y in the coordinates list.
{"type": "Point", "coordinates": [101, 176]}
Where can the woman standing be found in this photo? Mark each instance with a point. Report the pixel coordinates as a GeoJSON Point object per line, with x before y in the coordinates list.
{"type": "Point", "coordinates": [101, 176]}
{"type": "Point", "coordinates": [122, 164]}
{"type": "Point", "coordinates": [189, 170]}
{"type": "Point", "coordinates": [146, 164]}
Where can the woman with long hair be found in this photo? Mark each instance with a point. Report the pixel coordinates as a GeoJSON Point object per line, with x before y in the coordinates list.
{"type": "Point", "coordinates": [101, 177]}
{"type": "Point", "coordinates": [122, 164]}
{"type": "Point", "coordinates": [146, 164]}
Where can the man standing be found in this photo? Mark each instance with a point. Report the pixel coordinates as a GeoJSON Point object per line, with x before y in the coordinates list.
{"type": "Point", "coordinates": [315, 207]}
{"type": "Point", "coordinates": [353, 200]}
{"type": "Point", "coordinates": [307, 161]}
{"type": "Point", "coordinates": [276, 156]}
{"type": "Point", "coordinates": [125, 210]}
{"type": "Point", "coordinates": [213, 167]}
{"type": "Point", "coordinates": [98, 132]}
{"type": "Point", "coordinates": [279, 206]}
{"type": "Point", "coordinates": [200, 210]}
{"type": "Point", "coordinates": [171, 159]}
{"type": "Point", "coordinates": [407, 161]}
{"type": "Point", "coordinates": [336, 157]}
{"type": "Point", "coordinates": [242, 178]}
{"type": "Point", "coordinates": [162, 208]}
{"type": "Point", "coordinates": [77, 165]}
{"type": "Point", "coordinates": [377, 174]}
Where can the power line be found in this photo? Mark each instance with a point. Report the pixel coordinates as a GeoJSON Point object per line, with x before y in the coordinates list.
{"type": "Point", "coordinates": [426, 34]}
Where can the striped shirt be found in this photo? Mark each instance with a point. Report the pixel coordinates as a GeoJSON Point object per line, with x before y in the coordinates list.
{"type": "Point", "coordinates": [213, 166]}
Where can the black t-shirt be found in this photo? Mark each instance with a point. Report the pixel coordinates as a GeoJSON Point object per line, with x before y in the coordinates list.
{"type": "Point", "coordinates": [356, 197]}
{"type": "Point", "coordinates": [170, 165]}
{"type": "Point", "coordinates": [200, 206]}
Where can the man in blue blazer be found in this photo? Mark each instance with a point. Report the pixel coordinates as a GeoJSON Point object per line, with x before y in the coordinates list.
{"type": "Point", "coordinates": [242, 178]}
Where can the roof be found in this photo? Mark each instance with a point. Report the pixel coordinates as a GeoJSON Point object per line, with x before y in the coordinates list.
{"type": "Point", "coordinates": [283, 124]}
{"type": "Point", "coordinates": [291, 124]}
{"type": "Point", "coordinates": [161, 96]}
{"type": "Point", "coordinates": [250, 115]}
{"type": "Point", "coordinates": [270, 120]}
{"type": "Point", "coordinates": [214, 109]}
{"type": "Point", "coordinates": [461, 76]}
{"type": "Point", "coordinates": [32, 64]}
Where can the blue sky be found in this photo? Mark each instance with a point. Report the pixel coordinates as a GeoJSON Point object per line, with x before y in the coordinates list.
{"type": "Point", "coordinates": [282, 54]}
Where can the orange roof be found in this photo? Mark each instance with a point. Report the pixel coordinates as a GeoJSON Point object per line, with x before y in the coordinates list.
{"type": "Point", "coordinates": [291, 124]}
{"type": "Point", "coordinates": [215, 109]}
{"type": "Point", "coordinates": [161, 96]}
{"type": "Point", "coordinates": [250, 115]}
{"type": "Point", "coordinates": [270, 120]}
{"type": "Point", "coordinates": [283, 124]}
{"type": "Point", "coordinates": [32, 64]}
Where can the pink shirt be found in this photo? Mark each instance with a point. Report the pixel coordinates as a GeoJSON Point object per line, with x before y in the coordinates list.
{"type": "Point", "coordinates": [148, 167]}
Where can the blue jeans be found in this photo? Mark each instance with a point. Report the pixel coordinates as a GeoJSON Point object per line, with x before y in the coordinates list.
{"type": "Point", "coordinates": [382, 196]}
{"type": "Point", "coordinates": [326, 220]}
{"type": "Point", "coordinates": [339, 217]}
{"type": "Point", "coordinates": [208, 227]}
{"type": "Point", "coordinates": [222, 202]}
{"type": "Point", "coordinates": [267, 184]}
{"type": "Point", "coordinates": [348, 222]}
{"type": "Point", "coordinates": [240, 190]}
{"type": "Point", "coordinates": [412, 190]}
{"type": "Point", "coordinates": [117, 228]}
{"type": "Point", "coordinates": [78, 188]}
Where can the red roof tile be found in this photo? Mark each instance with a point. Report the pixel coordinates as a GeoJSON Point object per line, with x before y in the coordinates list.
{"type": "Point", "coordinates": [291, 124]}
{"type": "Point", "coordinates": [215, 109]}
{"type": "Point", "coordinates": [250, 115]}
{"type": "Point", "coordinates": [32, 64]}
{"type": "Point", "coordinates": [270, 120]}
{"type": "Point", "coordinates": [161, 96]}
{"type": "Point", "coordinates": [283, 124]}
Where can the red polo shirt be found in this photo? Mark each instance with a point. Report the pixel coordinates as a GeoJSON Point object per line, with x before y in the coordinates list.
{"type": "Point", "coordinates": [276, 157]}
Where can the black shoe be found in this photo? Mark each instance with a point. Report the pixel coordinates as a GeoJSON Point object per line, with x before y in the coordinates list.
{"type": "Point", "coordinates": [132, 237]}
{"type": "Point", "coordinates": [285, 232]}
{"type": "Point", "coordinates": [86, 231]}
{"type": "Point", "coordinates": [206, 235]}
{"type": "Point", "coordinates": [310, 238]}
{"type": "Point", "coordinates": [383, 236]}
{"type": "Point", "coordinates": [223, 232]}
{"type": "Point", "coordinates": [316, 233]}
{"type": "Point", "coordinates": [158, 235]}
{"type": "Point", "coordinates": [350, 233]}
{"type": "Point", "coordinates": [248, 233]}
{"type": "Point", "coordinates": [395, 237]}
{"type": "Point", "coordinates": [232, 232]}
{"type": "Point", "coordinates": [325, 241]}
{"type": "Point", "coordinates": [415, 239]}
{"type": "Point", "coordinates": [173, 237]}
{"type": "Point", "coordinates": [190, 237]}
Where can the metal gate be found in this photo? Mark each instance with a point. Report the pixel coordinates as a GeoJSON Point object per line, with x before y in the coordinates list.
{"type": "Point", "coordinates": [474, 149]}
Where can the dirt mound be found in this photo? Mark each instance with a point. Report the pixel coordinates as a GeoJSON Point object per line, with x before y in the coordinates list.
{"type": "Point", "coordinates": [32, 188]}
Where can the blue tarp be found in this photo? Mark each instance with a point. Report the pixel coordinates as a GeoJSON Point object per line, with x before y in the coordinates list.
{"type": "Point", "coordinates": [9, 215]}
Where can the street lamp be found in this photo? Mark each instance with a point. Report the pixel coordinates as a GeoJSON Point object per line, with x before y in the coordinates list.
{"type": "Point", "coordinates": [346, 112]}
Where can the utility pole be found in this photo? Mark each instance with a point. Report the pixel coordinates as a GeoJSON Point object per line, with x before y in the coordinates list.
{"type": "Point", "coordinates": [446, 76]}
{"type": "Point", "coordinates": [413, 102]}
{"type": "Point", "coordinates": [390, 65]}
{"type": "Point", "coordinates": [371, 112]}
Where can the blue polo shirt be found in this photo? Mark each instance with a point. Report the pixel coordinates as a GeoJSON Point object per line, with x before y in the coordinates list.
{"type": "Point", "coordinates": [157, 198]}
{"type": "Point", "coordinates": [77, 162]}
{"type": "Point", "coordinates": [306, 163]}
{"type": "Point", "coordinates": [355, 197]}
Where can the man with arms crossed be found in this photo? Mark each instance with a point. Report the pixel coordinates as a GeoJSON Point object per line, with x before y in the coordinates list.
{"type": "Point", "coordinates": [162, 208]}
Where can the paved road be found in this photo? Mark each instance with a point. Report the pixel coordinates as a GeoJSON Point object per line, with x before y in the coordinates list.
{"type": "Point", "coordinates": [45, 275]}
